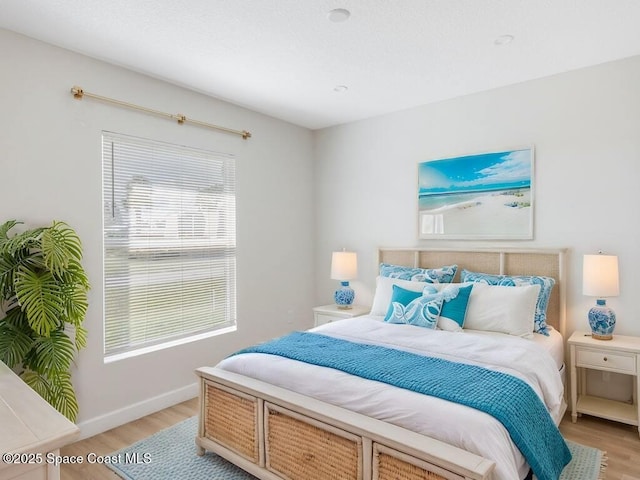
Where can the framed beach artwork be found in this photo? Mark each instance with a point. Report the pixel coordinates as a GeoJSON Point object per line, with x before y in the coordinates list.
{"type": "Point", "coordinates": [481, 196]}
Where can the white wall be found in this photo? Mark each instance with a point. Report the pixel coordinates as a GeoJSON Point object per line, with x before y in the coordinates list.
{"type": "Point", "coordinates": [585, 128]}
{"type": "Point", "coordinates": [50, 168]}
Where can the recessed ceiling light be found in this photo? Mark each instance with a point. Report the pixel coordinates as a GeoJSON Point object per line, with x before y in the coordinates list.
{"type": "Point", "coordinates": [338, 15]}
{"type": "Point", "coordinates": [340, 88]}
{"type": "Point", "coordinates": [503, 40]}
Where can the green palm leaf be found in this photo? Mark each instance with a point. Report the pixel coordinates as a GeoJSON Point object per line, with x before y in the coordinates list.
{"type": "Point", "coordinates": [16, 317]}
{"type": "Point", "coordinates": [5, 227]}
{"type": "Point", "coordinates": [63, 396]}
{"type": "Point", "coordinates": [37, 382]}
{"type": "Point", "coordinates": [55, 389]}
{"type": "Point", "coordinates": [80, 337]}
{"type": "Point", "coordinates": [53, 354]}
{"type": "Point", "coordinates": [15, 342]}
{"type": "Point", "coordinates": [4, 234]}
{"type": "Point", "coordinates": [8, 266]}
{"type": "Point", "coordinates": [40, 297]}
{"type": "Point", "coordinates": [60, 245]}
{"type": "Point", "coordinates": [75, 304]}
{"type": "Point", "coordinates": [75, 274]}
{"type": "Point", "coordinates": [23, 241]}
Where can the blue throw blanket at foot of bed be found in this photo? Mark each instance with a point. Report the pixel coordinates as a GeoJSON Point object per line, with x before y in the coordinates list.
{"type": "Point", "coordinates": [500, 395]}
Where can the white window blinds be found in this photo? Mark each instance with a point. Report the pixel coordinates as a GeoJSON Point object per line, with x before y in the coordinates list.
{"type": "Point", "coordinates": [169, 242]}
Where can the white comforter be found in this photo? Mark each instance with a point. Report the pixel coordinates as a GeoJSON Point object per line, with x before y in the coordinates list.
{"type": "Point", "coordinates": [455, 424]}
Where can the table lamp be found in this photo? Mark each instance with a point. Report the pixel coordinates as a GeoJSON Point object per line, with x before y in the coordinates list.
{"type": "Point", "coordinates": [600, 279]}
{"type": "Point", "coordinates": [344, 267]}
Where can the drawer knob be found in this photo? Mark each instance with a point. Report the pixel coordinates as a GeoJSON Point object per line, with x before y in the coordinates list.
{"type": "Point", "coordinates": [605, 359]}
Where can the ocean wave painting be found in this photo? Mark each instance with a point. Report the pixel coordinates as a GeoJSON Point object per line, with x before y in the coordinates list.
{"type": "Point", "coordinates": [486, 196]}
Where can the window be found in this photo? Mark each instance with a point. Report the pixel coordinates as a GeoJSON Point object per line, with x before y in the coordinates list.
{"type": "Point", "coordinates": [169, 243]}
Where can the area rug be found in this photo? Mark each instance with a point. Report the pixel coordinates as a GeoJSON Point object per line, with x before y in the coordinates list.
{"type": "Point", "coordinates": [171, 454]}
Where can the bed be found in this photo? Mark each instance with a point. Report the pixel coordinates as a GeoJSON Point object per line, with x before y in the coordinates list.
{"type": "Point", "coordinates": [304, 421]}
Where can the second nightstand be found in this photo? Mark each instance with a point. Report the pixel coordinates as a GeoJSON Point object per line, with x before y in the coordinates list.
{"type": "Point", "coordinates": [619, 355]}
{"type": "Point", "coordinates": [331, 313]}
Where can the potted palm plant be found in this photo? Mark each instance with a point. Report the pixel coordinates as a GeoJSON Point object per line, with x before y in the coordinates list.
{"type": "Point", "coordinates": [43, 289]}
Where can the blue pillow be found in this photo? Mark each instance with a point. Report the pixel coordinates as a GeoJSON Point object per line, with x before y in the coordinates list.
{"type": "Point", "coordinates": [428, 275]}
{"type": "Point", "coordinates": [546, 285]}
{"type": "Point", "coordinates": [454, 307]}
{"type": "Point", "coordinates": [402, 296]}
{"type": "Point", "coordinates": [456, 300]}
{"type": "Point", "coordinates": [421, 312]}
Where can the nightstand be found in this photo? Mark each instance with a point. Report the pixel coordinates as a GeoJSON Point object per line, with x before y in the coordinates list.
{"type": "Point", "coordinates": [331, 313]}
{"type": "Point", "coordinates": [619, 355]}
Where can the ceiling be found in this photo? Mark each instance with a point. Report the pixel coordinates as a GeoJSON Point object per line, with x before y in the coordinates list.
{"type": "Point", "coordinates": [285, 58]}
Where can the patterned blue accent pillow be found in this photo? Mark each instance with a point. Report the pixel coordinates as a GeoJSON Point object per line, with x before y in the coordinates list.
{"type": "Point", "coordinates": [428, 275]}
{"type": "Point", "coordinates": [402, 296]}
{"type": "Point", "coordinates": [546, 285]}
{"type": "Point", "coordinates": [454, 307]}
{"type": "Point", "coordinates": [421, 312]}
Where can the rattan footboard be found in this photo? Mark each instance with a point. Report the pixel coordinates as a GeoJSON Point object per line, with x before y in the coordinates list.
{"type": "Point", "coordinates": [390, 464]}
{"type": "Point", "coordinates": [298, 447]}
{"type": "Point", "coordinates": [276, 434]}
{"type": "Point", "coordinates": [232, 419]}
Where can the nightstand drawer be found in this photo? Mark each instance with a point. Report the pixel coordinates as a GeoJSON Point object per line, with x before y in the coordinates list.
{"type": "Point", "coordinates": [331, 313]}
{"type": "Point", "coordinates": [322, 318]}
{"type": "Point", "coordinates": [602, 359]}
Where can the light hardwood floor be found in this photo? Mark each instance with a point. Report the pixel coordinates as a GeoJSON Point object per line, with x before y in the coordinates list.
{"type": "Point", "coordinates": [121, 437]}
{"type": "Point", "coordinates": [621, 442]}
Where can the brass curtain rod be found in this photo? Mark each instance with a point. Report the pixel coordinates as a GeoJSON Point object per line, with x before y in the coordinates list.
{"type": "Point", "coordinates": [79, 93]}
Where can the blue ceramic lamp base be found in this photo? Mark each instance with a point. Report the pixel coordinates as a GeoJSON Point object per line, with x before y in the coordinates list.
{"type": "Point", "coordinates": [344, 296]}
{"type": "Point", "coordinates": [602, 321]}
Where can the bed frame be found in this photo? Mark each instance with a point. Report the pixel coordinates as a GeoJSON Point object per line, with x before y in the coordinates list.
{"type": "Point", "coordinates": [277, 434]}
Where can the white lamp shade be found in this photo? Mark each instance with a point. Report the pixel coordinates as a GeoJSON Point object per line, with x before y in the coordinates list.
{"type": "Point", "coordinates": [344, 266]}
{"type": "Point", "coordinates": [600, 276]}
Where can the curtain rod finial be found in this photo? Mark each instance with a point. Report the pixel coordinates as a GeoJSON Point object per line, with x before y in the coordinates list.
{"type": "Point", "coordinates": [77, 92]}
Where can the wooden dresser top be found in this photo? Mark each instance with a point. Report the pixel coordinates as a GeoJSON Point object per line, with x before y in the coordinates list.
{"type": "Point", "coordinates": [27, 422]}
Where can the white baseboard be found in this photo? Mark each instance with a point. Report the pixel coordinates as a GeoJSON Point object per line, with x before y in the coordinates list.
{"type": "Point", "coordinates": [100, 424]}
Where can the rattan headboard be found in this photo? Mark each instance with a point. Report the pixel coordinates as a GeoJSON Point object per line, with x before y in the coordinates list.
{"type": "Point", "coordinates": [547, 262]}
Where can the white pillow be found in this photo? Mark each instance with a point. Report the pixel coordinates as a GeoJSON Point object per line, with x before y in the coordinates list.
{"type": "Point", "coordinates": [384, 292]}
{"type": "Point", "coordinates": [504, 309]}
